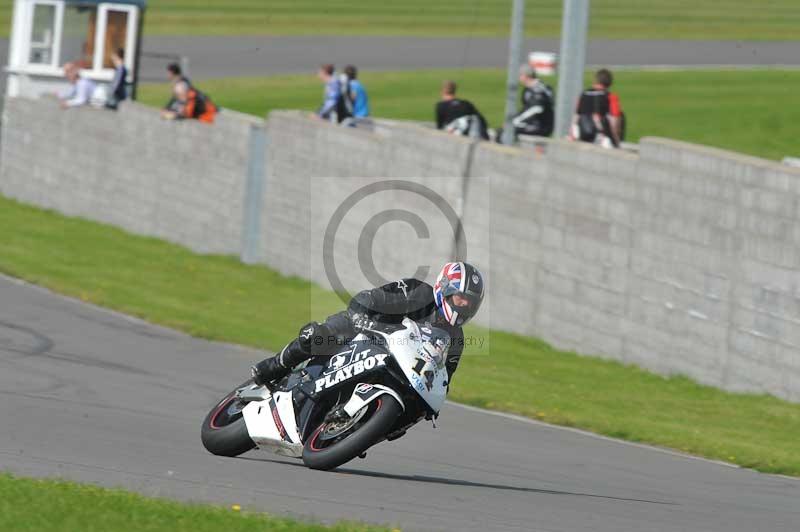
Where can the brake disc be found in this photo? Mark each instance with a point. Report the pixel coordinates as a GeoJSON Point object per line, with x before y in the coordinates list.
{"type": "Point", "coordinates": [335, 429]}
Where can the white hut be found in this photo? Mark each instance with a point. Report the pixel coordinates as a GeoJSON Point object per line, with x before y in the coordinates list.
{"type": "Point", "coordinates": [46, 34]}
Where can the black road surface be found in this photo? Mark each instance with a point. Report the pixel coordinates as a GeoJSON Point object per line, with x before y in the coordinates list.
{"type": "Point", "coordinates": [95, 396]}
{"type": "Point", "coordinates": [216, 57]}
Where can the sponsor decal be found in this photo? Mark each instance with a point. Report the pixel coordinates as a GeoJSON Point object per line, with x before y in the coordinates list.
{"type": "Point", "coordinates": [357, 366]}
{"type": "Point", "coordinates": [305, 334]}
{"type": "Point", "coordinates": [417, 382]}
{"type": "Point", "coordinates": [429, 375]}
{"type": "Point", "coordinates": [337, 361]}
{"type": "Point", "coordinates": [476, 278]}
{"type": "Point", "coordinates": [363, 388]}
{"type": "Point", "coordinates": [277, 419]}
{"type": "Point", "coordinates": [401, 284]}
{"type": "Point", "coordinates": [344, 358]}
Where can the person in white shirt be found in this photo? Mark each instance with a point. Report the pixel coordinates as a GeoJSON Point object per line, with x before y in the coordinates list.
{"type": "Point", "coordinates": [80, 90]}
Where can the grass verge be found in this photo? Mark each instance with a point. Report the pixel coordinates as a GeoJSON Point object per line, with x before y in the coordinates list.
{"type": "Point", "coordinates": [28, 505]}
{"type": "Point", "coordinates": [745, 111]}
{"type": "Point", "coordinates": [615, 19]}
{"type": "Point", "coordinates": [219, 298]}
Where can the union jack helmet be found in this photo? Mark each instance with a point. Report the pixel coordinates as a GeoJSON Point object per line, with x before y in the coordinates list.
{"type": "Point", "coordinates": [458, 292]}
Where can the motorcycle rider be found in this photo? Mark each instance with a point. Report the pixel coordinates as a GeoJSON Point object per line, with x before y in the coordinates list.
{"type": "Point", "coordinates": [448, 305]}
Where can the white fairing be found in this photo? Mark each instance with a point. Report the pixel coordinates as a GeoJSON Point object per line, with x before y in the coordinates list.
{"type": "Point", "coordinates": [364, 394]}
{"type": "Point", "coordinates": [419, 351]}
{"type": "Point", "coordinates": [422, 358]}
{"type": "Point", "coordinates": [264, 425]}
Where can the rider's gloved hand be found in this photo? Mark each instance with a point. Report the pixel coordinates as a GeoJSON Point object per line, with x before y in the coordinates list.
{"type": "Point", "coordinates": [361, 321]}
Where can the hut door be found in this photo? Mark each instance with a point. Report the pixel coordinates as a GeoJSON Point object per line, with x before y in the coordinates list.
{"type": "Point", "coordinates": [116, 28]}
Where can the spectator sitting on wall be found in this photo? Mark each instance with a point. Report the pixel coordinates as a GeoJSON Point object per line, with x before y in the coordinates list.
{"type": "Point", "coordinates": [188, 102]}
{"type": "Point", "coordinates": [536, 117]}
{"type": "Point", "coordinates": [334, 107]}
{"type": "Point", "coordinates": [459, 116]}
{"type": "Point", "coordinates": [80, 90]}
{"type": "Point", "coordinates": [175, 76]}
{"type": "Point", "coordinates": [117, 88]}
{"type": "Point", "coordinates": [355, 93]}
{"type": "Point", "coordinates": [598, 116]}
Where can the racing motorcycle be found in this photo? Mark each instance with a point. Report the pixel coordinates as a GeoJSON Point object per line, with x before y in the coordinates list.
{"type": "Point", "coordinates": [334, 408]}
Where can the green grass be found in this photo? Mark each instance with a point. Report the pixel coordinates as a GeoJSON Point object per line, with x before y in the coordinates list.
{"type": "Point", "coordinates": [220, 298]}
{"type": "Point", "coordinates": [615, 19]}
{"type": "Point", "coordinates": [28, 505]}
{"type": "Point", "coordinates": [752, 111]}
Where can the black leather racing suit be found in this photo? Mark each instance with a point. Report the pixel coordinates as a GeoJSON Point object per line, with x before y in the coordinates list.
{"type": "Point", "coordinates": [387, 304]}
{"type": "Point", "coordinates": [537, 115]}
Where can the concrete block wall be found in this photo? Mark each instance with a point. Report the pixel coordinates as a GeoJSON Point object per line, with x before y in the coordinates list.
{"type": "Point", "coordinates": [680, 259]}
{"type": "Point", "coordinates": [683, 259]}
{"type": "Point", "coordinates": [726, 252]}
{"type": "Point", "coordinates": [314, 167]}
{"type": "Point", "coordinates": [182, 181]}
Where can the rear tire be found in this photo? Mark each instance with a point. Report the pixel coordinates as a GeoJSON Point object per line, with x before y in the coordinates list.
{"type": "Point", "coordinates": [224, 431]}
{"type": "Point", "coordinates": [382, 412]}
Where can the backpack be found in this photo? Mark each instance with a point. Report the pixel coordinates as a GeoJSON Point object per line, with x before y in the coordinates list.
{"type": "Point", "coordinates": [202, 105]}
{"type": "Point", "coordinates": [200, 100]}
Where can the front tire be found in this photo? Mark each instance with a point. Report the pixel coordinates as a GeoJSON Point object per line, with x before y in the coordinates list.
{"type": "Point", "coordinates": [325, 455]}
{"type": "Point", "coordinates": [224, 431]}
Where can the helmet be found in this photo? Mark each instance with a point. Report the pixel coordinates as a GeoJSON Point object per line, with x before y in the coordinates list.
{"type": "Point", "coordinates": [458, 292]}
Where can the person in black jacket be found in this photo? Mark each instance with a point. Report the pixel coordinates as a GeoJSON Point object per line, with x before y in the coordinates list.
{"type": "Point", "coordinates": [118, 84]}
{"type": "Point", "coordinates": [458, 116]}
{"type": "Point", "coordinates": [536, 117]}
{"type": "Point", "coordinates": [598, 115]}
{"type": "Point", "coordinates": [449, 304]}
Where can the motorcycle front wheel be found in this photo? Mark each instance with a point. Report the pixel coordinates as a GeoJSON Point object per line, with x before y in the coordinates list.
{"type": "Point", "coordinates": [224, 431]}
{"type": "Point", "coordinates": [334, 443]}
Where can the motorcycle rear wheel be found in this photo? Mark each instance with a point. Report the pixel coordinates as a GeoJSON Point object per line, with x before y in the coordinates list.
{"type": "Point", "coordinates": [224, 431]}
{"type": "Point", "coordinates": [372, 426]}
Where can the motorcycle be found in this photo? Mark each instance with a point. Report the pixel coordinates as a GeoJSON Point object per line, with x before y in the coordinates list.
{"type": "Point", "coordinates": [336, 407]}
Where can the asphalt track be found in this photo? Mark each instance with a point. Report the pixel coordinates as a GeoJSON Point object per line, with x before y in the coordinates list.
{"type": "Point", "coordinates": [95, 396]}
{"type": "Point", "coordinates": [216, 57]}
{"type": "Point", "coordinates": [213, 57]}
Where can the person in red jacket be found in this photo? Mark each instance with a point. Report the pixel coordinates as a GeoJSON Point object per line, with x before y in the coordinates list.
{"type": "Point", "coordinates": [598, 116]}
{"type": "Point", "coordinates": [188, 102]}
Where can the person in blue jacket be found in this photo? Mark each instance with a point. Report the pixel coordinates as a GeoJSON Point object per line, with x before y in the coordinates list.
{"type": "Point", "coordinates": [356, 93]}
